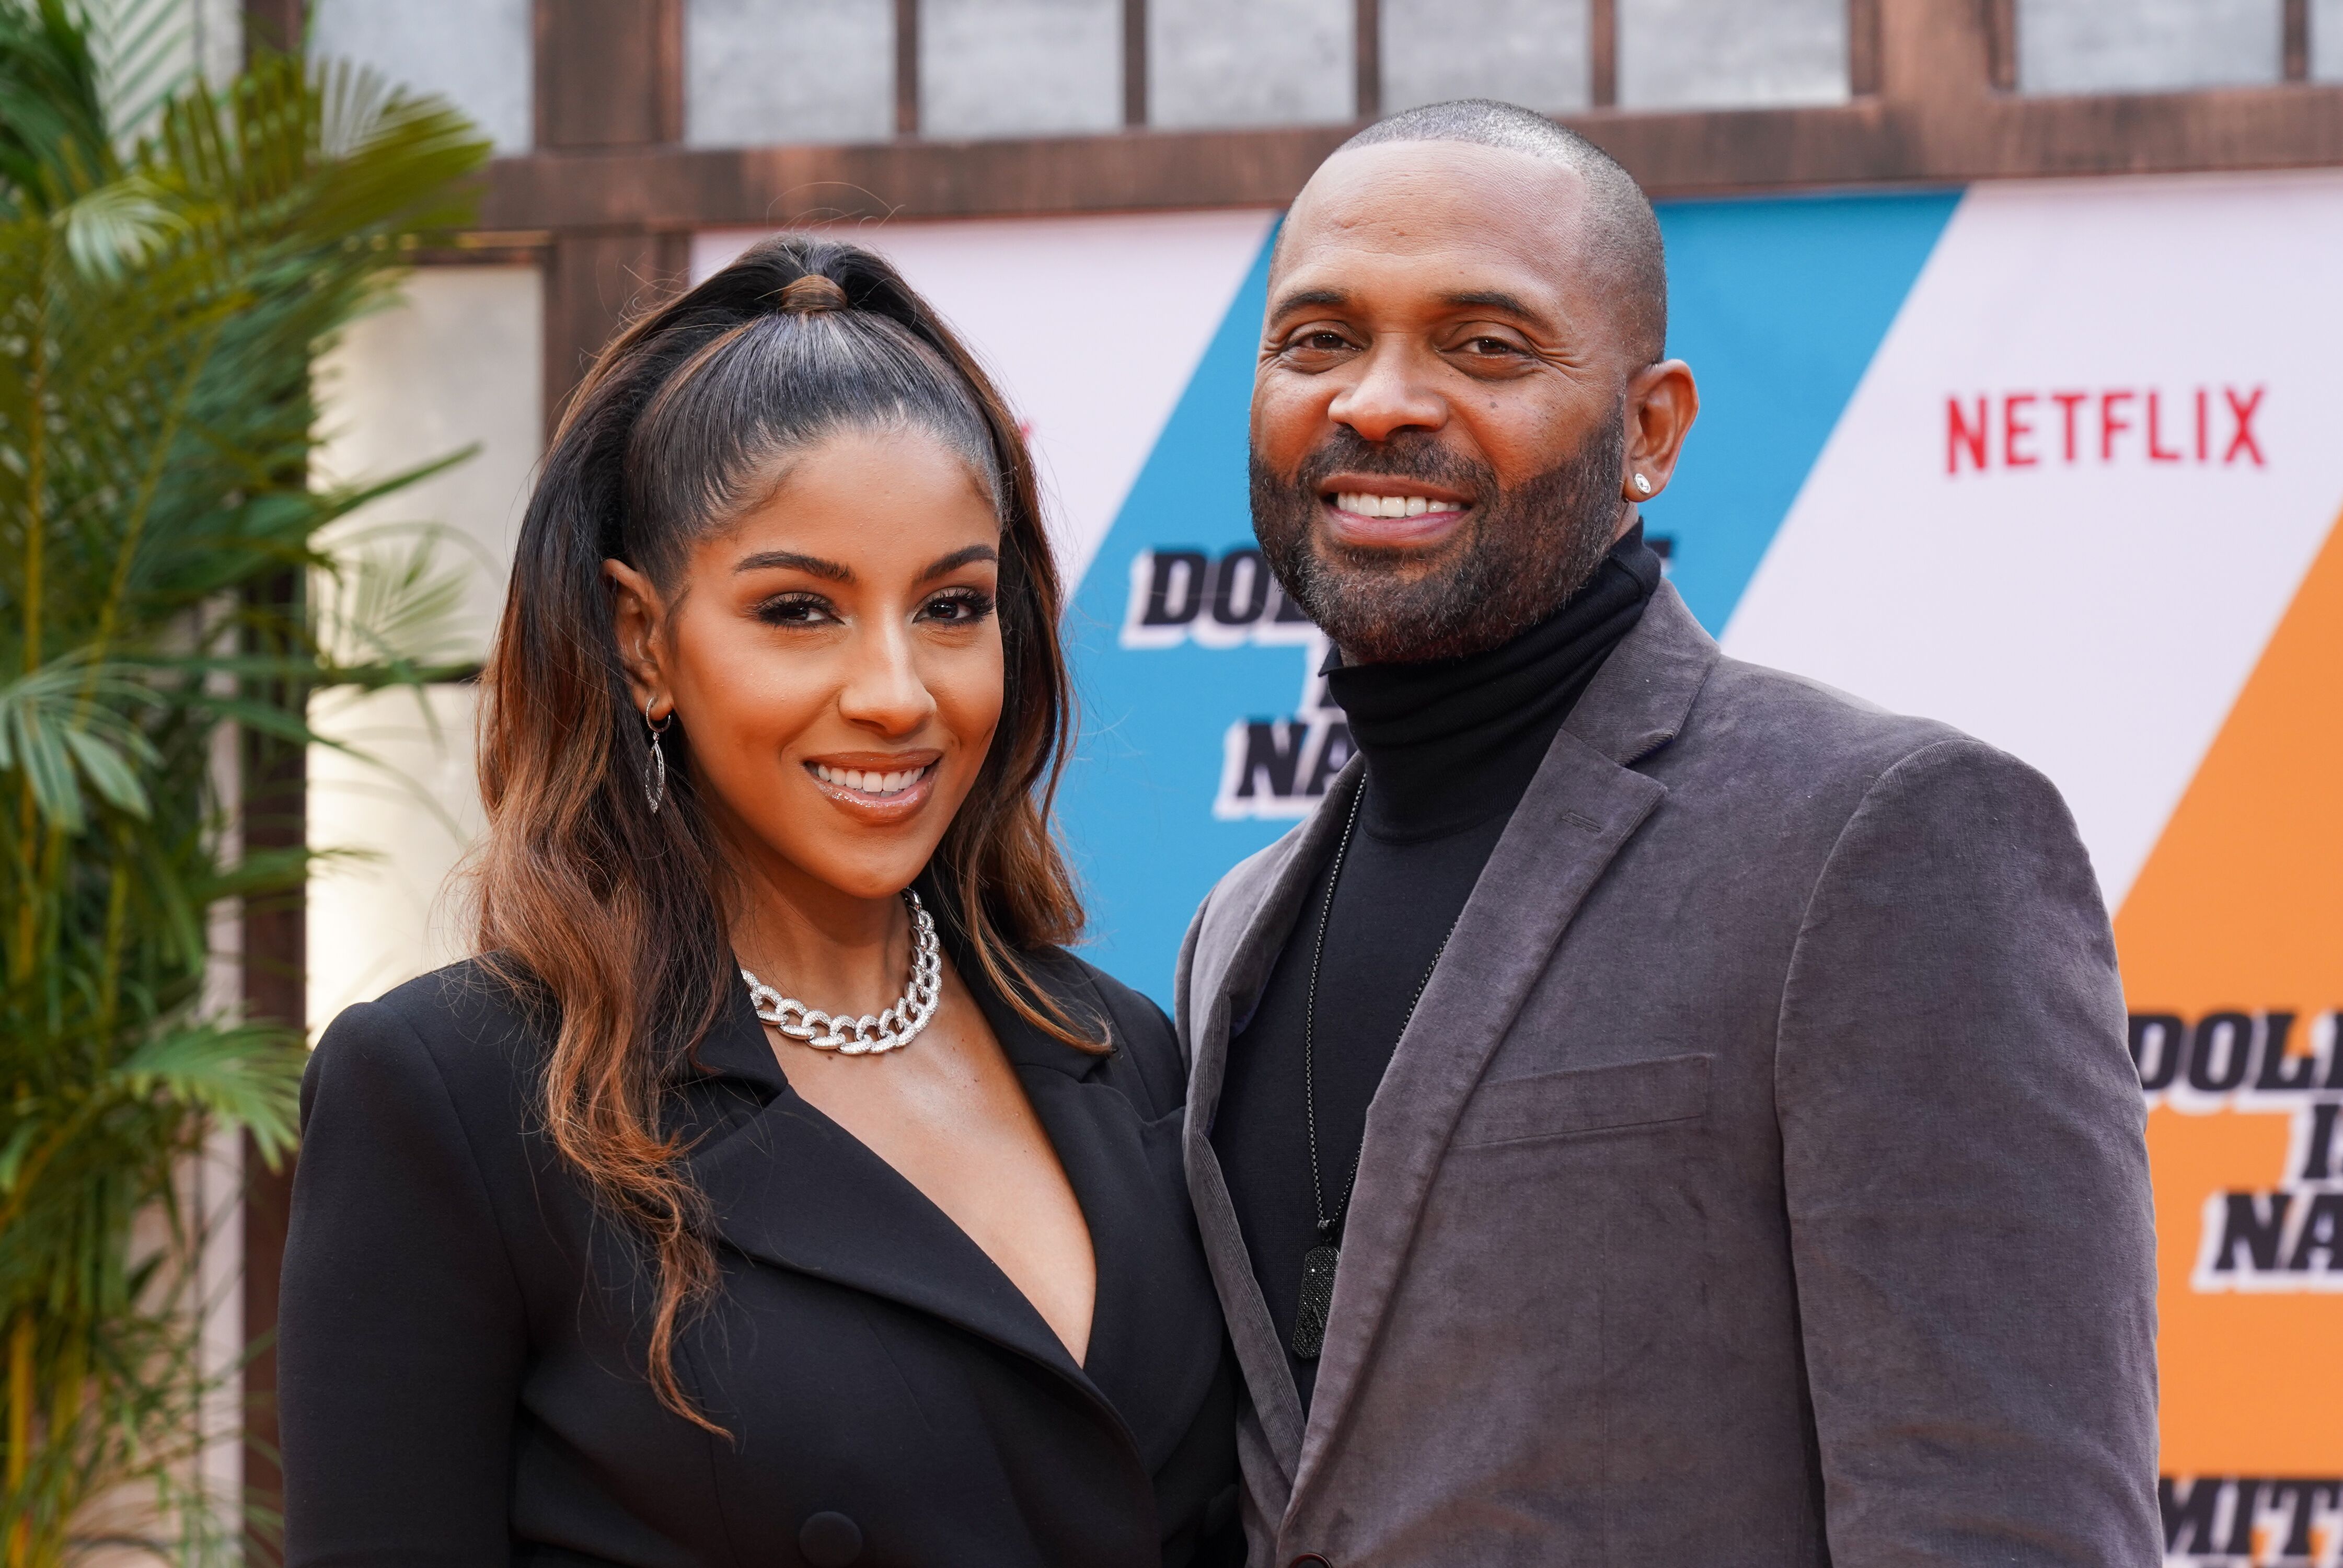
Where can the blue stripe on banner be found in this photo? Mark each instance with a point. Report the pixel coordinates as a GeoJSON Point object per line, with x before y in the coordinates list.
{"type": "Point", "coordinates": [1777, 304]}
{"type": "Point", "coordinates": [1136, 809]}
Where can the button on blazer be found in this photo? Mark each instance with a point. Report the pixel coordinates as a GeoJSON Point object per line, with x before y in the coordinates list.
{"type": "Point", "coordinates": [462, 1332]}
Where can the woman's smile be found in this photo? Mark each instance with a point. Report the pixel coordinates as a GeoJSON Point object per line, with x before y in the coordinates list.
{"type": "Point", "coordinates": [881, 790]}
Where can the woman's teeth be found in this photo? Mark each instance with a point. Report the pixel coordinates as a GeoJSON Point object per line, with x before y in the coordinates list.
{"type": "Point", "coordinates": [1367, 505]}
{"type": "Point", "coordinates": [867, 782]}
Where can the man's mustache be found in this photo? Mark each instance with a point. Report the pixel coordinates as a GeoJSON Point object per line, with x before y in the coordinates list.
{"type": "Point", "coordinates": [1420, 456]}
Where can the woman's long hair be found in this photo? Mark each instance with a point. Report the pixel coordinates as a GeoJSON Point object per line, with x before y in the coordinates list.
{"type": "Point", "coordinates": [611, 919]}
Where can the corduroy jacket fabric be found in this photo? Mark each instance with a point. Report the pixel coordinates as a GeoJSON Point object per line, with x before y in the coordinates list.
{"type": "Point", "coordinates": [1762, 1179]}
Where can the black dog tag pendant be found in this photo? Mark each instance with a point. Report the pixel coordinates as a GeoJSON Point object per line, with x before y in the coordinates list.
{"type": "Point", "coordinates": [1318, 1266]}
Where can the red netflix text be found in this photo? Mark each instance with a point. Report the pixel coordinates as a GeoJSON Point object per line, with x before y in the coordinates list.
{"type": "Point", "coordinates": [2200, 426]}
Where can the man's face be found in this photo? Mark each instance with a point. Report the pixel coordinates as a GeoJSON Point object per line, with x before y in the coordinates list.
{"type": "Point", "coordinates": [1440, 411]}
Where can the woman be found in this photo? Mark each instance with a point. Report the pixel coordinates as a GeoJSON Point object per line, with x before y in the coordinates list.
{"type": "Point", "coordinates": [774, 1188]}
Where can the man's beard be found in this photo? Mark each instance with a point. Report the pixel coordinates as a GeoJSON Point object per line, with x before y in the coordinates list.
{"type": "Point", "coordinates": [1525, 552]}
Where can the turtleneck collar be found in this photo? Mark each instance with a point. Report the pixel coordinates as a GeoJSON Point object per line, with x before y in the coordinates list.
{"type": "Point", "coordinates": [1453, 742]}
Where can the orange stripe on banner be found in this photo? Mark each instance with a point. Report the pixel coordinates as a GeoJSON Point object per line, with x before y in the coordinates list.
{"type": "Point", "coordinates": [2239, 911]}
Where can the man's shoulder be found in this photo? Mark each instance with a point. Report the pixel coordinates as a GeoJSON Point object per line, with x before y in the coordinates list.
{"type": "Point", "coordinates": [1781, 707]}
{"type": "Point", "coordinates": [1754, 725]}
{"type": "Point", "coordinates": [1810, 756]}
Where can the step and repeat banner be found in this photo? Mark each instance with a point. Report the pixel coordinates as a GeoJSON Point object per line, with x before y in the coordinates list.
{"type": "Point", "coordinates": [2059, 463]}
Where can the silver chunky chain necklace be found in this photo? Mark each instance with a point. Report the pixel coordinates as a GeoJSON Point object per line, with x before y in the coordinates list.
{"type": "Point", "coordinates": [896, 1025]}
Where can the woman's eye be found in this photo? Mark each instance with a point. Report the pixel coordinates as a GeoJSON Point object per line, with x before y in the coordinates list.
{"type": "Point", "coordinates": [795, 609]}
{"type": "Point", "coordinates": [957, 608]}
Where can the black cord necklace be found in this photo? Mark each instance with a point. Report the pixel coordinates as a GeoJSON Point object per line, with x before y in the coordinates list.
{"type": "Point", "coordinates": [1319, 1263]}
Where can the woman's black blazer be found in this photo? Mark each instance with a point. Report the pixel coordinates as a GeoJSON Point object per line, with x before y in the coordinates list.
{"type": "Point", "coordinates": [462, 1332]}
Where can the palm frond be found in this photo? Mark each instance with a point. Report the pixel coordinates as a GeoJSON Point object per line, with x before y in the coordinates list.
{"type": "Point", "coordinates": [173, 258]}
{"type": "Point", "coordinates": [67, 726]}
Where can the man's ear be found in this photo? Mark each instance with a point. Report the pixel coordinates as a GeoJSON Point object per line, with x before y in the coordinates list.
{"type": "Point", "coordinates": [640, 619]}
{"type": "Point", "coordinates": [1662, 403]}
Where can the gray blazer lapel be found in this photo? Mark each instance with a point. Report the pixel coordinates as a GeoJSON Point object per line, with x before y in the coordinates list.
{"type": "Point", "coordinates": [1227, 961]}
{"type": "Point", "coordinates": [1584, 804]}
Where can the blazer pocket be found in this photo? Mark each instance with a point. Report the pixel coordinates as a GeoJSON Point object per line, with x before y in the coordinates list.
{"type": "Point", "coordinates": [1585, 1100]}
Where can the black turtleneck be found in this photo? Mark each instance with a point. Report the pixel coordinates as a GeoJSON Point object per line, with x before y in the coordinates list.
{"type": "Point", "coordinates": [1450, 747]}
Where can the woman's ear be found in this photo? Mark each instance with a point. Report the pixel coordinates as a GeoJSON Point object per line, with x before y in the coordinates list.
{"type": "Point", "coordinates": [640, 619]}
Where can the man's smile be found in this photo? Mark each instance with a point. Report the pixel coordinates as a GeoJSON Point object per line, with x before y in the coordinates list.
{"type": "Point", "coordinates": [1390, 513]}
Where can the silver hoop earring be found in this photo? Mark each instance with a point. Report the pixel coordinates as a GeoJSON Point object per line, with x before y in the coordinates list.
{"type": "Point", "coordinates": [1643, 486]}
{"type": "Point", "coordinates": [654, 765]}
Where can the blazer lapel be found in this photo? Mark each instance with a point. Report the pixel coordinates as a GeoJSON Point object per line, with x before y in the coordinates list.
{"type": "Point", "coordinates": [790, 1188]}
{"type": "Point", "coordinates": [1582, 807]}
{"type": "Point", "coordinates": [1122, 1168]}
{"type": "Point", "coordinates": [1222, 991]}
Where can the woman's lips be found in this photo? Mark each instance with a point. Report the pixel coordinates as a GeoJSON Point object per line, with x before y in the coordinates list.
{"type": "Point", "coordinates": [876, 794]}
{"type": "Point", "coordinates": [1391, 522]}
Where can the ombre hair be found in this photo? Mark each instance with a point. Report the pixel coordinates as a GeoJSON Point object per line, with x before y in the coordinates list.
{"type": "Point", "coordinates": [610, 919]}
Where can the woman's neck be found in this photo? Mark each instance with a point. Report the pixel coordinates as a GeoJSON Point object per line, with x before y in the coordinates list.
{"type": "Point", "coordinates": [842, 952]}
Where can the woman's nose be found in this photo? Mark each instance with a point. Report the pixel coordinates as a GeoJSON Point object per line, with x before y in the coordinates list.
{"type": "Point", "coordinates": [884, 692]}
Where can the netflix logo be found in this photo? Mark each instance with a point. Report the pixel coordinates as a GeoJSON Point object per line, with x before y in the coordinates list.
{"type": "Point", "coordinates": [2201, 426]}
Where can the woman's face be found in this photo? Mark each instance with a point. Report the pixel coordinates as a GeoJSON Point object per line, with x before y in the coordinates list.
{"type": "Point", "coordinates": [835, 658]}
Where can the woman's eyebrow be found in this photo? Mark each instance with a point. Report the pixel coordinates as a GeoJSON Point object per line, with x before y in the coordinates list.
{"type": "Point", "coordinates": [956, 559]}
{"type": "Point", "coordinates": [813, 566]}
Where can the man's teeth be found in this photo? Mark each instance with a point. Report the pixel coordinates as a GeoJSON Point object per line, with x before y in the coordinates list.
{"type": "Point", "coordinates": [866, 782]}
{"type": "Point", "coordinates": [1371, 506]}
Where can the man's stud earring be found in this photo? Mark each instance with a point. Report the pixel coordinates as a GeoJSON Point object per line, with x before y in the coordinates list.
{"type": "Point", "coordinates": [1643, 486]}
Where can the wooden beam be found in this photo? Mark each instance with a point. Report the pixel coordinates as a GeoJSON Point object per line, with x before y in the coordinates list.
{"type": "Point", "coordinates": [1367, 55]}
{"type": "Point", "coordinates": [2294, 47]}
{"type": "Point", "coordinates": [2001, 30]}
{"type": "Point", "coordinates": [1873, 141]}
{"type": "Point", "coordinates": [609, 76]}
{"type": "Point", "coordinates": [610, 73]}
{"type": "Point", "coordinates": [1861, 47]}
{"type": "Point", "coordinates": [596, 283]}
{"type": "Point", "coordinates": [1601, 53]}
{"type": "Point", "coordinates": [1134, 62]}
{"type": "Point", "coordinates": [272, 813]}
{"type": "Point", "coordinates": [907, 67]}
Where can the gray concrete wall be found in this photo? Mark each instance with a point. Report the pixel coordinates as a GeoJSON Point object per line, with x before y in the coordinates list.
{"type": "Point", "coordinates": [2118, 46]}
{"type": "Point", "coordinates": [477, 54]}
{"type": "Point", "coordinates": [1720, 54]}
{"type": "Point", "coordinates": [1532, 52]}
{"type": "Point", "coordinates": [1020, 67]}
{"type": "Point", "coordinates": [760, 71]}
{"type": "Point", "coordinates": [1250, 62]}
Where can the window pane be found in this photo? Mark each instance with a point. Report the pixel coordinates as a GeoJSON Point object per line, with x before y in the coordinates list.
{"type": "Point", "coordinates": [2326, 40]}
{"type": "Point", "coordinates": [477, 53]}
{"type": "Point", "coordinates": [1527, 52]}
{"type": "Point", "coordinates": [1715, 54]}
{"type": "Point", "coordinates": [1020, 67]}
{"type": "Point", "coordinates": [760, 71]}
{"type": "Point", "coordinates": [1250, 62]}
{"type": "Point", "coordinates": [2113, 45]}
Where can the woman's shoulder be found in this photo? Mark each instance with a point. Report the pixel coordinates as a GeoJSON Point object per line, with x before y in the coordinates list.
{"type": "Point", "coordinates": [1137, 1030]}
{"type": "Point", "coordinates": [466, 1025]}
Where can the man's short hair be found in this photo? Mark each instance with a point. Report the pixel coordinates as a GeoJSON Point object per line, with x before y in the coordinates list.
{"type": "Point", "coordinates": [1622, 234]}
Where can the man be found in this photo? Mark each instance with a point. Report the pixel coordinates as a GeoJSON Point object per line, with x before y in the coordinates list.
{"type": "Point", "coordinates": [1658, 1111]}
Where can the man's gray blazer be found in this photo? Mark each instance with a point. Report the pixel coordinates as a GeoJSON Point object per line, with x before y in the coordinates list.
{"type": "Point", "coordinates": [1761, 1181]}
